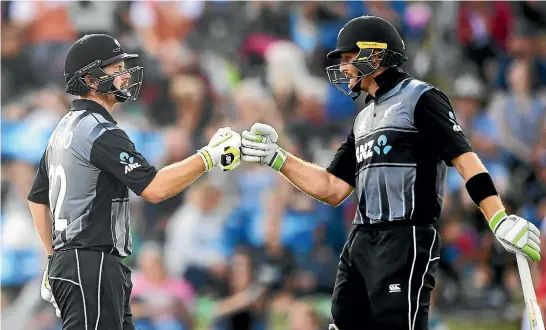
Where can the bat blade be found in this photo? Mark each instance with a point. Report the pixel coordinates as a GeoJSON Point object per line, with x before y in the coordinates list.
{"type": "Point", "coordinates": [533, 310]}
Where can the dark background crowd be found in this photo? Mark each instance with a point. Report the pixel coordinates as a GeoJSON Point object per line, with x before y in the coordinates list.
{"type": "Point", "coordinates": [228, 63]}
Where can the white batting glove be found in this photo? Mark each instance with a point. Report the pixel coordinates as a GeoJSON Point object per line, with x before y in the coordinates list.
{"type": "Point", "coordinates": [516, 234]}
{"type": "Point", "coordinates": [223, 150]}
{"type": "Point", "coordinates": [45, 292]}
{"type": "Point", "coordinates": [259, 146]}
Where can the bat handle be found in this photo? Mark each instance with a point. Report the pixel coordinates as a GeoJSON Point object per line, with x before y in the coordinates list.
{"type": "Point", "coordinates": [525, 276]}
{"type": "Point", "coordinates": [533, 309]}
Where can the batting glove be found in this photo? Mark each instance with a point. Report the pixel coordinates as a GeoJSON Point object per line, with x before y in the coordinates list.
{"type": "Point", "coordinates": [47, 294]}
{"type": "Point", "coordinates": [516, 234]}
{"type": "Point", "coordinates": [223, 150]}
{"type": "Point", "coordinates": [259, 146]}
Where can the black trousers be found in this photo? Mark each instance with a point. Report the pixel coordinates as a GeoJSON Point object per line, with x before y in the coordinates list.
{"type": "Point", "coordinates": [385, 278]}
{"type": "Point", "coordinates": [92, 290]}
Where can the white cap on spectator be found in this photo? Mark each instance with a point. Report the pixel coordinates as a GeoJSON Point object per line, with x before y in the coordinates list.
{"type": "Point", "coordinates": [468, 86]}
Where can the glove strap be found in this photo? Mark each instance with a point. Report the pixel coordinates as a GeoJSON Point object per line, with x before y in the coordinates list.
{"type": "Point", "coordinates": [496, 220]}
{"type": "Point", "coordinates": [278, 159]}
{"type": "Point", "coordinates": [207, 159]}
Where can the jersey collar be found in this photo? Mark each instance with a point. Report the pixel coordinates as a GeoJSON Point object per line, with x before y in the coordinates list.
{"type": "Point", "coordinates": [386, 81]}
{"type": "Point", "coordinates": [84, 104]}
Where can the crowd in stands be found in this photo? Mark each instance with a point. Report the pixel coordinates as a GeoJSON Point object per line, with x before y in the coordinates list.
{"type": "Point", "coordinates": [210, 64]}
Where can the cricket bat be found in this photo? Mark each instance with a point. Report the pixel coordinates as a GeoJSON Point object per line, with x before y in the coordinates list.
{"type": "Point", "coordinates": [533, 310]}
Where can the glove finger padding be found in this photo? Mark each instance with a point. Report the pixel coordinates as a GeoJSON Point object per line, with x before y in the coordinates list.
{"type": "Point", "coordinates": [224, 130]}
{"type": "Point", "coordinates": [533, 245]}
{"type": "Point", "coordinates": [253, 137]}
{"type": "Point", "coordinates": [47, 294]}
{"type": "Point", "coordinates": [535, 239]}
{"type": "Point", "coordinates": [45, 290]}
{"type": "Point", "coordinates": [253, 145]}
{"type": "Point", "coordinates": [533, 229]}
{"type": "Point", "coordinates": [221, 136]}
{"type": "Point", "coordinates": [265, 130]}
{"type": "Point", "coordinates": [57, 310]}
{"type": "Point", "coordinates": [253, 152]}
{"type": "Point", "coordinates": [250, 159]}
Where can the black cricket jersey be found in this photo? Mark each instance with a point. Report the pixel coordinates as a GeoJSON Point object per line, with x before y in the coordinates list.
{"type": "Point", "coordinates": [84, 176]}
{"type": "Point", "coordinates": [397, 152]}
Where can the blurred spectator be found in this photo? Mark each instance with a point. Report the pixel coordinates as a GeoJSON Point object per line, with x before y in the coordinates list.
{"type": "Point", "coordinates": [461, 244]}
{"type": "Point", "coordinates": [249, 100]}
{"type": "Point", "coordinates": [520, 113]}
{"type": "Point", "coordinates": [191, 235]}
{"type": "Point", "coordinates": [275, 262]}
{"type": "Point", "coordinates": [303, 317]}
{"type": "Point", "coordinates": [48, 33]}
{"type": "Point", "coordinates": [483, 28]}
{"type": "Point", "coordinates": [317, 270]}
{"type": "Point", "coordinates": [481, 130]}
{"type": "Point", "coordinates": [181, 102]}
{"type": "Point", "coordinates": [161, 23]}
{"type": "Point", "coordinates": [16, 74]}
{"type": "Point", "coordinates": [525, 43]}
{"type": "Point", "coordinates": [83, 16]}
{"type": "Point", "coordinates": [248, 238]}
{"type": "Point", "coordinates": [243, 308]}
{"type": "Point", "coordinates": [303, 31]}
{"type": "Point", "coordinates": [538, 158]}
{"type": "Point", "coordinates": [298, 215]}
{"type": "Point", "coordinates": [285, 70]}
{"type": "Point", "coordinates": [165, 302]}
{"type": "Point", "coordinates": [266, 23]}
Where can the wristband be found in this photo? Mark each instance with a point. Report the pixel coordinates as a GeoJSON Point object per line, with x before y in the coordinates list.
{"type": "Point", "coordinates": [207, 160]}
{"type": "Point", "coordinates": [496, 220]}
{"type": "Point", "coordinates": [481, 186]}
{"type": "Point", "coordinates": [278, 159]}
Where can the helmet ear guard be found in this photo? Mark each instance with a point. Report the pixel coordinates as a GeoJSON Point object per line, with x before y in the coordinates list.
{"type": "Point", "coordinates": [78, 88]}
{"type": "Point", "coordinates": [392, 58]}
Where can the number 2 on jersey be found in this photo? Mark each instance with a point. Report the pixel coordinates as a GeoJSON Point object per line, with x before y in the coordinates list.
{"type": "Point", "coordinates": [57, 172]}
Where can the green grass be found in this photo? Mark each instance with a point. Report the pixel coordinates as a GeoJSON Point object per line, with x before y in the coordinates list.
{"type": "Point", "coordinates": [457, 325]}
{"type": "Point", "coordinates": [322, 305]}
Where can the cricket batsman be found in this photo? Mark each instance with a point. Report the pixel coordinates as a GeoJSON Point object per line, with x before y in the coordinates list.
{"type": "Point", "coordinates": [395, 158]}
{"type": "Point", "coordinates": [79, 200]}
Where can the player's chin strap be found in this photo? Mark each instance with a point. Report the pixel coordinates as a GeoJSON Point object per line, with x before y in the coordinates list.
{"type": "Point", "coordinates": [357, 89]}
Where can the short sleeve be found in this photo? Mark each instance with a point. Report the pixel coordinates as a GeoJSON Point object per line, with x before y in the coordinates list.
{"type": "Point", "coordinates": [115, 153]}
{"type": "Point", "coordinates": [344, 163]}
{"type": "Point", "coordinates": [435, 119]}
{"type": "Point", "coordinates": [39, 192]}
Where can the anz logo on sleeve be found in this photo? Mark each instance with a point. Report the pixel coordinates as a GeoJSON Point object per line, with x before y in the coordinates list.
{"type": "Point", "coordinates": [129, 162]}
{"type": "Point", "coordinates": [379, 146]}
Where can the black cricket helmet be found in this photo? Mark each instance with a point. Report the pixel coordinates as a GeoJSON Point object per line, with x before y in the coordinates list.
{"type": "Point", "coordinates": [88, 56]}
{"type": "Point", "coordinates": [370, 36]}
